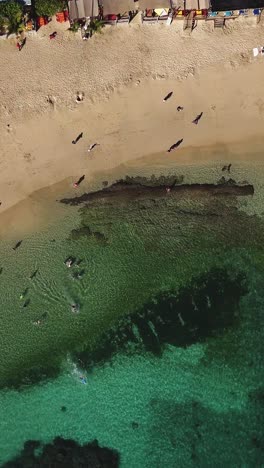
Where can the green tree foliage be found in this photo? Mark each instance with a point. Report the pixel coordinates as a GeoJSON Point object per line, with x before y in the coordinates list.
{"type": "Point", "coordinates": [49, 7]}
{"type": "Point", "coordinates": [75, 26]}
{"type": "Point", "coordinates": [11, 16]}
{"type": "Point", "coordinates": [95, 26]}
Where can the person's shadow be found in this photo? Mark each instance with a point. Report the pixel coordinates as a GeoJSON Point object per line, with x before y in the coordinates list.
{"type": "Point", "coordinates": [77, 138]}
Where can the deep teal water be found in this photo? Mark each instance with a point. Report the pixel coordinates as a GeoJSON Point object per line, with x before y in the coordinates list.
{"type": "Point", "coordinates": [195, 404]}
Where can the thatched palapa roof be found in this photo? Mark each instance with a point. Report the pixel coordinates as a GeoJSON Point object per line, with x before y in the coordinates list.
{"type": "Point", "coordinates": [116, 7]}
{"type": "Point", "coordinates": [197, 4]}
{"type": "Point", "coordinates": [152, 4]}
{"type": "Point", "coordinates": [79, 9]}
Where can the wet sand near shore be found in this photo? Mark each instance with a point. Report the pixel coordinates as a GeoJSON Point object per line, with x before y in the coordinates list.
{"type": "Point", "coordinates": [202, 165]}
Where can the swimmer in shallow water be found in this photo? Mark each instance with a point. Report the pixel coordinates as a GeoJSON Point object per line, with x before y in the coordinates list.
{"type": "Point", "coordinates": [24, 293]}
{"type": "Point", "coordinates": [69, 261]}
{"type": "Point", "coordinates": [75, 308]}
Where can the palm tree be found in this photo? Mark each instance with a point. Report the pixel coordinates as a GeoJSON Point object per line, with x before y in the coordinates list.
{"type": "Point", "coordinates": [95, 26]}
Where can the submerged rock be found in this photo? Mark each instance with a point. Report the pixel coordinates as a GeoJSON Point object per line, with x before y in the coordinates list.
{"type": "Point", "coordinates": [139, 188]}
{"type": "Point", "coordinates": [65, 453]}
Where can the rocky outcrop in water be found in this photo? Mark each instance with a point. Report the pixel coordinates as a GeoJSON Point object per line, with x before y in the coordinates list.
{"type": "Point", "coordinates": [64, 453]}
{"type": "Point", "coordinates": [137, 189]}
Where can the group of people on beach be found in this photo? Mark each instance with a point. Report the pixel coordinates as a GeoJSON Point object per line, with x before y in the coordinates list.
{"type": "Point", "coordinates": [179, 109]}
{"type": "Point", "coordinates": [91, 147]}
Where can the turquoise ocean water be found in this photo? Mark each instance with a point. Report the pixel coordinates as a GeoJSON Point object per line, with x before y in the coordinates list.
{"type": "Point", "coordinates": [166, 384]}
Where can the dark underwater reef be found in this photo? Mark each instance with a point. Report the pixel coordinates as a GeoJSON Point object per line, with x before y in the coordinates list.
{"type": "Point", "coordinates": [204, 309]}
{"type": "Point", "coordinates": [195, 434]}
{"type": "Point", "coordinates": [64, 453]}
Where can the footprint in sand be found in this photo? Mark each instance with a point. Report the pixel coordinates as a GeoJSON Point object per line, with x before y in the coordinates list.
{"type": "Point", "coordinates": [52, 101]}
{"type": "Point", "coordinates": [28, 157]}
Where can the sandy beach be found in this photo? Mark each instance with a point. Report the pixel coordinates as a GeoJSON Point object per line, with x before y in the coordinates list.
{"type": "Point", "coordinates": [124, 75]}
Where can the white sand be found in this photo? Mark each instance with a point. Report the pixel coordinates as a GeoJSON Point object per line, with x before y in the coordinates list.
{"type": "Point", "coordinates": [124, 73]}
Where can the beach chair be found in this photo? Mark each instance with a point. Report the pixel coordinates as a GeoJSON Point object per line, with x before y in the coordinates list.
{"type": "Point", "coordinates": [178, 14]}
{"type": "Point", "coordinates": [42, 21]}
{"type": "Point", "coordinates": [110, 19]}
{"type": "Point", "coordinates": [150, 16]}
{"type": "Point", "coordinates": [60, 17]}
{"type": "Point", "coordinates": [257, 51]}
{"type": "Point", "coordinates": [257, 11]}
{"type": "Point", "coordinates": [125, 18]}
{"type": "Point", "coordinates": [163, 14]}
{"type": "Point", "coordinates": [228, 13]}
{"type": "Point", "coordinates": [219, 21]}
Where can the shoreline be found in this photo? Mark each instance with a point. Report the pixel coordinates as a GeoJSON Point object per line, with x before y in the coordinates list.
{"type": "Point", "coordinates": [132, 124]}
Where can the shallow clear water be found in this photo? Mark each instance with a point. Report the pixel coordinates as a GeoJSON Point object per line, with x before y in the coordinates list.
{"type": "Point", "coordinates": [197, 405]}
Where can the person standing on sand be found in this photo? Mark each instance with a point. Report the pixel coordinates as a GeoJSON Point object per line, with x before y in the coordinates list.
{"type": "Point", "coordinates": [76, 184]}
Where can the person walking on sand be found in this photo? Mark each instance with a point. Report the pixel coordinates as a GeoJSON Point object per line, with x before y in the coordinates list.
{"type": "Point", "coordinates": [168, 96]}
{"type": "Point", "coordinates": [76, 184]}
{"type": "Point", "coordinates": [91, 147]}
{"type": "Point", "coordinates": [172, 147]}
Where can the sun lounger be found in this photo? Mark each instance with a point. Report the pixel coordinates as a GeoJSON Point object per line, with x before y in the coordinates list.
{"type": "Point", "coordinates": [125, 18]}
{"type": "Point", "coordinates": [257, 51]}
{"type": "Point", "coordinates": [150, 19]}
{"type": "Point", "coordinates": [42, 20]}
{"type": "Point", "coordinates": [110, 19]}
{"type": "Point", "coordinates": [201, 14]}
{"type": "Point", "coordinates": [178, 14]}
{"type": "Point", "coordinates": [60, 17]}
{"type": "Point", "coordinates": [150, 16]}
{"type": "Point", "coordinates": [163, 14]}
